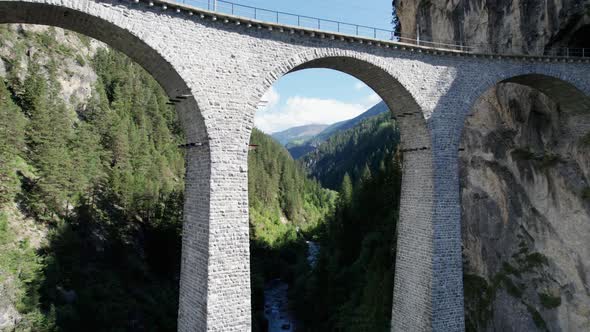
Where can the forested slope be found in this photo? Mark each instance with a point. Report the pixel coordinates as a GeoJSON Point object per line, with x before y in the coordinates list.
{"type": "Point", "coordinates": [351, 289]}
{"type": "Point", "coordinates": [350, 150]}
{"type": "Point", "coordinates": [101, 179]}
{"type": "Point", "coordinates": [91, 191]}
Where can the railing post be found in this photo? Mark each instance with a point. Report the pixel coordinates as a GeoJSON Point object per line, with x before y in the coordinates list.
{"type": "Point", "coordinates": [232, 8]}
{"type": "Point", "coordinates": [357, 30]}
{"type": "Point", "coordinates": [338, 25]}
{"type": "Point", "coordinates": [298, 20]}
{"type": "Point", "coordinates": [277, 17]}
{"type": "Point", "coordinates": [255, 14]}
{"type": "Point", "coordinates": [319, 24]}
{"type": "Point", "coordinates": [374, 33]}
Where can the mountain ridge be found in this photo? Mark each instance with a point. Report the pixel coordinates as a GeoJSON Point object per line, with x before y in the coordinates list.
{"type": "Point", "coordinates": [298, 148]}
{"type": "Point", "coordinates": [299, 133]}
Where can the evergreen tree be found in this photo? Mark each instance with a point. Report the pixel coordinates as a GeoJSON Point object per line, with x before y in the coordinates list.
{"type": "Point", "coordinates": [11, 144]}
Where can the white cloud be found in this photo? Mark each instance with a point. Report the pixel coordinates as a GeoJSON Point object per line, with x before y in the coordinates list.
{"type": "Point", "coordinates": [372, 99]}
{"type": "Point", "coordinates": [270, 99]}
{"type": "Point", "coordinates": [299, 111]}
{"type": "Point", "coordinates": [360, 85]}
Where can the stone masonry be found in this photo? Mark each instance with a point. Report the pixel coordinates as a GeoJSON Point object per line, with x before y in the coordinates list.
{"type": "Point", "coordinates": [215, 69]}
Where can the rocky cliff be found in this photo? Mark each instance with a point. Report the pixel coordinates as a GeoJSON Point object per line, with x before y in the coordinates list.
{"type": "Point", "coordinates": [513, 26]}
{"type": "Point", "coordinates": [526, 214]}
{"type": "Point", "coordinates": [524, 173]}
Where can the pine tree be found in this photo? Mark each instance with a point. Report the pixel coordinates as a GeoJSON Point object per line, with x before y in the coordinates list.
{"type": "Point", "coordinates": [346, 191]}
{"type": "Point", "coordinates": [12, 136]}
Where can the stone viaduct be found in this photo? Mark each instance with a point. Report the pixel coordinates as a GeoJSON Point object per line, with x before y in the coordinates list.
{"type": "Point", "coordinates": [215, 68]}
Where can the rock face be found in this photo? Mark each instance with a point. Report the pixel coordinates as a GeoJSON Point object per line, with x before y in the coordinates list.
{"type": "Point", "coordinates": [525, 171]}
{"type": "Point", "coordinates": [515, 26]}
{"type": "Point", "coordinates": [526, 214]}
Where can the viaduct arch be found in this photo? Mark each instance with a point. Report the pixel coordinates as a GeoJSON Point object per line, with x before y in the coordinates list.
{"type": "Point", "coordinates": [417, 181]}
{"type": "Point", "coordinates": [215, 68]}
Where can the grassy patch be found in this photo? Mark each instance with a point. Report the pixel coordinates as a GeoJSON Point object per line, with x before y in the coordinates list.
{"type": "Point", "coordinates": [3, 228]}
{"type": "Point", "coordinates": [549, 301]}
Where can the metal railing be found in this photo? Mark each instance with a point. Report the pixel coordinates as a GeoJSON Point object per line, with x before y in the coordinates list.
{"type": "Point", "coordinates": [356, 30]}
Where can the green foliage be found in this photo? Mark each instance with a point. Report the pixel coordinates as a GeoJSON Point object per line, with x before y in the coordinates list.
{"type": "Point", "coordinates": [480, 295]}
{"type": "Point", "coordinates": [511, 287]}
{"type": "Point", "coordinates": [12, 137]}
{"type": "Point", "coordinates": [351, 288]}
{"type": "Point", "coordinates": [80, 60]}
{"type": "Point", "coordinates": [349, 151]}
{"type": "Point", "coordinates": [537, 319]}
{"type": "Point", "coordinates": [536, 259]}
{"type": "Point", "coordinates": [284, 205]}
{"type": "Point", "coordinates": [549, 301]}
{"type": "Point", "coordinates": [544, 159]}
{"type": "Point", "coordinates": [281, 196]}
{"type": "Point", "coordinates": [106, 181]}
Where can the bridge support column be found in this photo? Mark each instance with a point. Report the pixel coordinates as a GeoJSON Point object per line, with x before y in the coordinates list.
{"type": "Point", "coordinates": [215, 274]}
{"type": "Point", "coordinates": [428, 289]}
{"type": "Point", "coordinates": [412, 295]}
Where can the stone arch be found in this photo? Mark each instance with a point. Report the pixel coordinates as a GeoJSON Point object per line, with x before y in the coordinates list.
{"type": "Point", "coordinates": [494, 179]}
{"type": "Point", "coordinates": [412, 303]}
{"type": "Point", "coordinates": [108, 23]}
{"type": "Point", "coordinates": [571, 94]}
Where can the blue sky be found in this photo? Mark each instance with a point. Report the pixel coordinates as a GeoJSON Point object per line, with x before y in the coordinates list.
{"type": "Point", "coordinates": [320, 96]}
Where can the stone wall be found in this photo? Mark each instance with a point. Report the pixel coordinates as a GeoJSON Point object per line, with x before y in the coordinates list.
{"type": "Point", "coordinates": [523, 172]}
{"type": "Point", "coordinates": [216, 68]}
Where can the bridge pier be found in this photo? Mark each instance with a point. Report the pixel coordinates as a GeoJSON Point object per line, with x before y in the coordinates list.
{"type": "Point", "coordinates": [223, 64]}
{"type": "Point", "coordinates": [215, 274]}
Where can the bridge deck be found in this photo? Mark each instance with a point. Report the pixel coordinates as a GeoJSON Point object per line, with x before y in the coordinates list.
{"type": "Point", "coordinates": [317, 27]}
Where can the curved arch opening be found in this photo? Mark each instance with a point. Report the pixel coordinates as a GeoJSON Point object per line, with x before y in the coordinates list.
{"type": "Point", "coordinates": [524, 176]}
{"type": "Point", "coordinates": [95, 173]}
{"type": "Point", "coordinates": [111, 27]}
{"type": "Point", "coordinates": [122, 40]}
{"type": "Point", "coordinates": [363, 163]}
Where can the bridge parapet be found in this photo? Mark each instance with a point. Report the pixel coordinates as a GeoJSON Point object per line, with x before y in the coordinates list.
{"type": "Point", "coordinates": [230, 12]}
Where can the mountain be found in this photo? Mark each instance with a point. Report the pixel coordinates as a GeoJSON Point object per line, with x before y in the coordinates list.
{"type": "Point", "coordinates": [347, 124]}
{"type": "Point", "coordinates": [91, 192]}
{"type": "Point", "coordinates": [298, 135]}
{"type": "Point", "coordinates": [348, 151]}
{"type": "Point", "coordinates": [299, 149]}
{"type": "Point", "coordinates": [352, 285]}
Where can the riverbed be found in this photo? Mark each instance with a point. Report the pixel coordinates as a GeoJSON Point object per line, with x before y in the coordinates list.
{"type": "Point", "coordinates": [276, 299]}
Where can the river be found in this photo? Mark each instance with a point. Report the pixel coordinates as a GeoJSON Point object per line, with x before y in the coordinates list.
{"type": "Point", "coordinates": [276, 299]}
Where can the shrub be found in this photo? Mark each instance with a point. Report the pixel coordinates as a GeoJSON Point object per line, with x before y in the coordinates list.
{"type": "Point", "coordinates": [537, 319]}
{"type": "Point", "coordinates": [511, 288]}
{"type": "Point", "coordinates": [536, 259]}
{"type": "Point", "coordinates": [549, 301]}
{"type": "Point", "coordinates": [80, 60]}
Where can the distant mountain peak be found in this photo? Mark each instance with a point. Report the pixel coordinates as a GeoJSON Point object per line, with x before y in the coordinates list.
{"type": "Point", "coordinates": [299, 134]}
{"type": "Point", "coordinates": [300, 147]}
